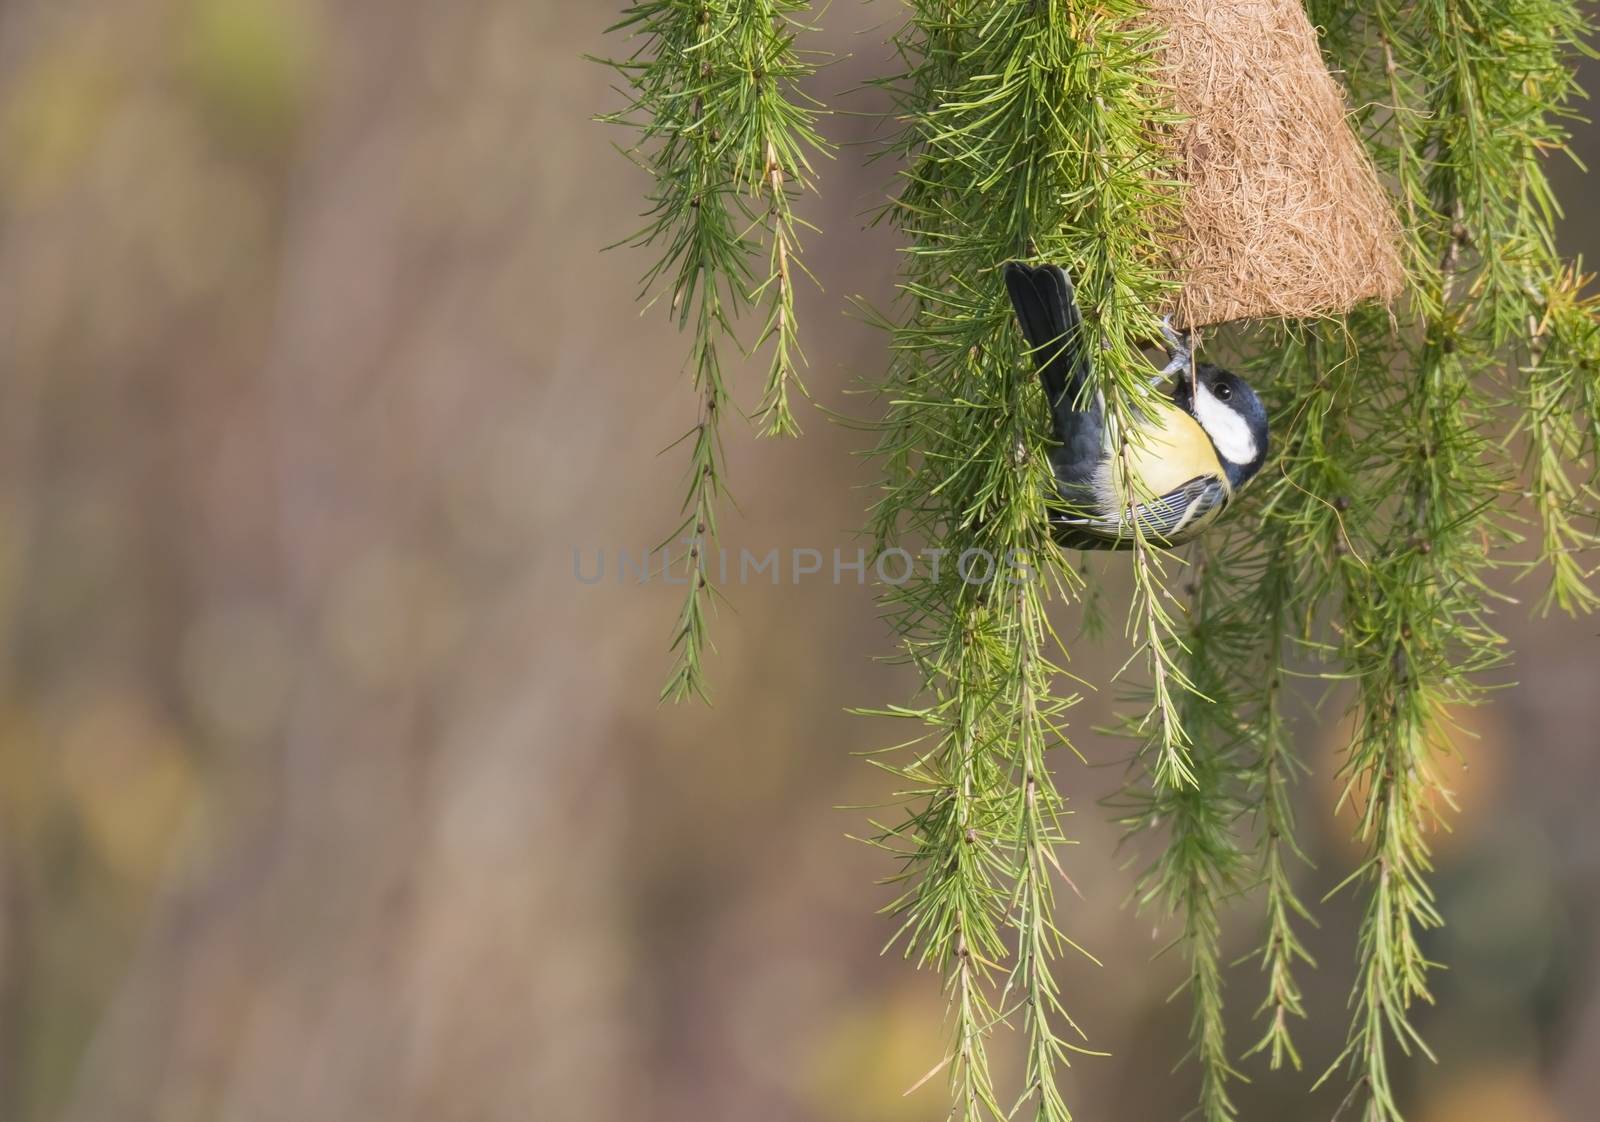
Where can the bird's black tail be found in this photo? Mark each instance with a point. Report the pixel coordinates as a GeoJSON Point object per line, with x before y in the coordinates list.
{"type": "Point", "coordinates": [1052, 324]}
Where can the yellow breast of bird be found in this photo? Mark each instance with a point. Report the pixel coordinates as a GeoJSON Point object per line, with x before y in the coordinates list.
{"type": "Point", "coordinates": [1171, 450]}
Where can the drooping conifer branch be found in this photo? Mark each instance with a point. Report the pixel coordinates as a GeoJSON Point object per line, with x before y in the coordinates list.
{"type": "Point", "coordinates": [1272, 776]}
{"type": "Point", "coordinates": [1476, 93]}
{"type": "Point", "coordinates": [727, 138]}
{"type": "Point", "coordinates": [1560, 388]}
{"type": "Point", "coordinates": [1304, 514]}
{"type": "Point", "coordinates": [1026, 134]}
{"type": "Point", "coordinates": [1201, 866]}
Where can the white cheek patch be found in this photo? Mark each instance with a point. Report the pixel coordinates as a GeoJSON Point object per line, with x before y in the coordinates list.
{"type": "Point", "coordinates": [1227, 430]}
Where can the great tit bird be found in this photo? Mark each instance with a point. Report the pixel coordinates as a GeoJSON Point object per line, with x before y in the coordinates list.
{"type": "Point", "coordinates": [1203, 442]}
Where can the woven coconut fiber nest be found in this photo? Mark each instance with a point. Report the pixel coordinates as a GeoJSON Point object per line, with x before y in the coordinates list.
{"type": "Point", "coordinates": [1282, 212]}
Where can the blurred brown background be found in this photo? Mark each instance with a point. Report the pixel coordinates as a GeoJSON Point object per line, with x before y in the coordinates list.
{"type": "Point", "coordinates": [326, 792]}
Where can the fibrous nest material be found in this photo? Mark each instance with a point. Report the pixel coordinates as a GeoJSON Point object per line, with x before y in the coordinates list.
{"type": "Point", "coordinates": [1282, 212]}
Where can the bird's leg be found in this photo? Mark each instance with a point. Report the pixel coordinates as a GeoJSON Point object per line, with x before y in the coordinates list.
{"type": "Point", "coordinates": [1179, 351]}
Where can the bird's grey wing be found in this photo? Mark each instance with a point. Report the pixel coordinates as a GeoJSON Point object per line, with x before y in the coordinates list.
{"type": "Point", "coordinates": [1171, 518]}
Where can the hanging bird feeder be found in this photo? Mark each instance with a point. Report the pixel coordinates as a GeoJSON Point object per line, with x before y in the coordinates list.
{"type": "Point", "coordinates": [1282, 211]}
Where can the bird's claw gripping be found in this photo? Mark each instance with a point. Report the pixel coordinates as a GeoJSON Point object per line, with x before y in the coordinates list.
{"type": "Point", "coordinates": [1179, 349]}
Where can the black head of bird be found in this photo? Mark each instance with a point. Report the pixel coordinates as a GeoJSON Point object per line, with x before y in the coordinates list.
{"type": "Point", "coordinates": [1231, 415]}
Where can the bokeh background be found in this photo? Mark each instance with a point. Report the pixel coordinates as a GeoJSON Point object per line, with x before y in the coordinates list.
{"type": "Point", "coordinates": [326, 792]}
